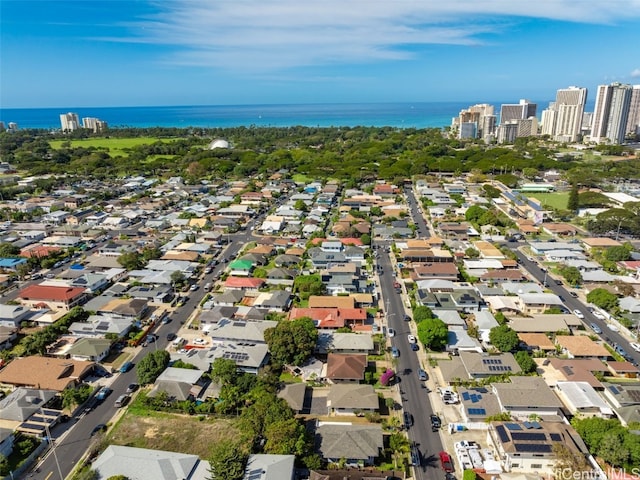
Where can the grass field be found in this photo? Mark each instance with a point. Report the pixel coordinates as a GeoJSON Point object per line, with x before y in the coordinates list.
{"type": "Point", "coordinates": [115, 146]}
{"type": "Point", "coordinates": [175, 433]}
{"type": "Point", "coordinates": [553, 200]}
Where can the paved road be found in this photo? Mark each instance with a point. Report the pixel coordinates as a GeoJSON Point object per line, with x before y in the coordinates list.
{"type": "Point", "coordinates": [414, 394]}
{"type": "Point", "coordinates": [572, 304]}
{"type": "Point", "coordinates": [415, 209]}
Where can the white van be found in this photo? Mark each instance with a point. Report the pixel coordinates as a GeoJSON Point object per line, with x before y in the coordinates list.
{"type": "Point", "coordinates": [207, 287]}
{"type": "Point", "coordinates": [178, 342]}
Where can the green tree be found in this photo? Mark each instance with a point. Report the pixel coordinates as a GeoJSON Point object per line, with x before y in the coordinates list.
{"type": "Point", "coordinates": [574, 200]}
{"type": "Point", "coordinates": [504, 338]}
{"type": "Point", "coordinates": [118, 477]}
{"type": "Point", "coordinates": [228, 459]}
{"type": "Point", "coordinates": [618, 253]}
{"type": "Point", "coordinates": [307, 285]}
{"type": "Point", "coordinates": [526, 362]}
{"type": "Point", "coordinates": [8, 250]}
{"type": "Point", "coordinates": [421, 313]}
{"type": "Point", "coordinates": [224, 371]}
{"type": "Point", "coordinates": [572, 275]}
{"type": "Point", "coordinates": [285, 437]}
{"type": "Point", "coordinates": [365, 238]}
{"type": "Point", "coordinates": [131, 260]}
{"type": "Point", "coordinates": [471, 253]}
{"type": "Point", "coordinates": [292, 342]}
{"type": "Point", "coordinates": [612, 448]}
{"type": "Point", "coordinates": [4, 465]}
{"type": "Point", "coordinates": [152, 365]}
{"type": "Point", "coordinates": [398, 446]}
{"type": "Point", "coordinates": [474, 213]}
{"type": "Point", "coordinates": [603, 298]}
{"type": "Point", "coordinates": [433, 333]}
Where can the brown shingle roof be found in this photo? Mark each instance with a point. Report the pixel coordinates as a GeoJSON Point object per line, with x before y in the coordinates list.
{"type": "Point", "coordinates": [44, 372]}
{"type": "Point", "coordinates": [346, 367]}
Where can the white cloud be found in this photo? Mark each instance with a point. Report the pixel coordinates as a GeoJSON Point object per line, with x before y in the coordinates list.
{"type": "Point", "coordinates": [635, 73]}
{"type": "Point", "coordinates": [259, 35]}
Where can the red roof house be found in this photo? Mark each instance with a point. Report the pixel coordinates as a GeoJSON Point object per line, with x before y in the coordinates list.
{"type": "Point", "coordinates": [54, 297]}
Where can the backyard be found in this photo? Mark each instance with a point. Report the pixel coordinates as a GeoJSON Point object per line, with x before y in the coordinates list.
{"type": "Point", "coordinates": [115, 146]}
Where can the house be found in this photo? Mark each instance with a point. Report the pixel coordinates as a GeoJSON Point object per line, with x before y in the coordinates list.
{"type": "Point", "coordinates": [19, 405]}
{"type": "Point", "coordinates": [331, 317]}
{"type": "Point", "coordinates": [250, 357]}
{"type": "Point", "coordinates": [147, 464]}
{"type": "Point", "coordinates": [13, 315]}
{"type": "Point", "coordinates": [243, 283]}
{"type": "Point", "coordinates": [329, 341]}
{"type": "Point", "coordinates": [321, 301]}
{"type": "Point", "coordinates": [530, 303]}
{"type": "Point", "coordinates": [524, 396]}
{"type": "Point", "coordinates": [352, 399]}
{"type": "Point", "coordinates": [357, 444]}
{"type": "Point", "coordinates": [476, 404]}
{"type": "Point", "coordinates": [473, 365]}
{"type": "Point", "coordinates": [581, 346]}
{"type": "Point", "coordinates": [275, 301]}
{"type": "Point", "coordinates": [262, 466]}
{"type": "Point", "coordinates": [442, 270]}
{"type": "Point", "coordinates": [131, 308]}
{"type": "Point", "coordinates": [178, 384]}
{"type": "Point", "coordinates": [580, 398]}
{"type": "Point", "coordinates": [281, 276]}
{"type": "Point", "coordinates": [236, 330]}
{"type": "Point", "coordinates": [573, 370]}
{"type": "Point", "coordinates": [528, 446]}
{"type": "Point", "coordinates": [101, 325]}
{"type": "Point", "coordinates": [44, 372]}
{"type": "Point", "coordinates": [52, 297]}
{"type": "Point", "coordinates": [90, 349]}
{"type": "Point", "coordinates": [294, 394]}
{"type": "Point", "coordinates": [346, 368]}
{"type": "Point", "coordinates": [545, 323]}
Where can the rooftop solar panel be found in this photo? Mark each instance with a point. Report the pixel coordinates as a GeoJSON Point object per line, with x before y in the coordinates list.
{"type": "Point", "coordinates": [502, 433]}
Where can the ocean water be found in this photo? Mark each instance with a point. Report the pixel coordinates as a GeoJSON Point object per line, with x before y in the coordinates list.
{"type": "Point", "coordinates": [404, 115]}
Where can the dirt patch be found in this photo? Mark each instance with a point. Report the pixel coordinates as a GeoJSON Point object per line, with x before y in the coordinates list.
{"type": "Point", "coordinates": [176, 433]}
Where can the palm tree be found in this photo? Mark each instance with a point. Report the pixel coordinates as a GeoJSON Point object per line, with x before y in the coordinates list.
{"type": "Point", "coordinates": [398, 445]}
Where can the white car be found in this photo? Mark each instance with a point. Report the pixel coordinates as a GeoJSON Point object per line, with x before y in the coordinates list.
{"type": "Point", "coordinates": [612, 327]}
{"type": "Point", "coordinates": [635, 346]}
{"type": "Point", "coordinates": [578, 314]}
{"type": "Point", "coordinates": [598, 315]}
{"type": "Point", "coordinates": [411, 338]}
{"type": "Point", "coordinates": [392, 332]}
{"type": "Point", "coordinates": [199, 341]}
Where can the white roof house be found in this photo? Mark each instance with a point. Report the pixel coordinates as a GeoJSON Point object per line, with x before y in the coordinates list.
{"type": "Point", "coordinates": [581, 398]}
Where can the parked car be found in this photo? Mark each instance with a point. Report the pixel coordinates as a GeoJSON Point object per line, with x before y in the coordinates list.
{"type": "Point", "coordinates": [392, 332]}
{"type": "Point", "coordinates": [613, 327]}
{"type": "Point", "coordinates": [415, 347]}
{"type": "Point", "coordinates": [596, 328]}
{"type": "Point", "coordinates": [132, 387]}
{"type": "Point", "coordinates": [573, 294]}
{"type": "Point", "coordinates": [436, 423]}
{"type": "Point", "coordinates": [126, 366]}
{"type": "Point", "coordinates": [103, 393]}
{"type": "Point", "coordinates": [411, 338]}
{"type": "Point", "coordinates": [193, 287]}
{"type": "Point", "coordinates": [635, 346]}
{"type": "Point", "coordinates": [578, 314]}
{"type": "Point", "coordinates": [408, 420]}
{"type": "Point", "coordinates": [395, 353]}
{"type": "Point", "coordinates": [422, 375]}
{"type": "Point", "coordinates": [415, 456]}
{"type": "Point", "coordinates": [445, 462]}
{"type": "Point", "coordinates": [171, 336]}
{"type": "Point", "coordinates": [598, 315]}
{"type": "Point", "coordinates": [407, 318]}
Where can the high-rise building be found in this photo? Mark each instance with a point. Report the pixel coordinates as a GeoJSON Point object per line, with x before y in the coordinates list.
{"type": "Point", "coordinates": [94, 124]}
{"type": "Point", "coordinates": [563, 119]}
{"type": "Point", "coordinates": [477, 121]}
{"type": "Point", "coordinates": [508, 131]}
{"type": "Point", "coordinates": [69, 122]}
{"type": "Point", "coordinates": [611, 113]}
{"type": "Point", "coordinates": [13, 127]}
{"type": "Point", "coordinates": [517, 111]}
{"type": "Point", "coordinates": [633, 122]}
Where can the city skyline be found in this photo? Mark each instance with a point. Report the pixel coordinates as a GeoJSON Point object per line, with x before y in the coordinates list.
{"type": "Point", "coordinates": [80, 54]}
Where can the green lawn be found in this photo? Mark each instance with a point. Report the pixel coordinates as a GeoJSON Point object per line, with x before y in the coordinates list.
{"type": "Point", "coordinates": [115, 146]}
{"type": "Point", "coordinates": [553, 200]}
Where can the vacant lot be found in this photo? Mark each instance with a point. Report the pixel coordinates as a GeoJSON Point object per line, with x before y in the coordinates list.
{"type": "Point", "coordinates": [553, 200]}
{"type": "Point", "coordinates": [115, 146]}
{"type": "Point", "coordinates": [176, 433]}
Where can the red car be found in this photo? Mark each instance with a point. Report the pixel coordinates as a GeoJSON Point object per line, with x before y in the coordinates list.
{"type": "Point", "coordinates": [445, 462]}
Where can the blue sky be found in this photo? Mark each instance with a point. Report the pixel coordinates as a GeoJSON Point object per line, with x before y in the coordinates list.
{"type": "Point", "coordinates": [58, 53]}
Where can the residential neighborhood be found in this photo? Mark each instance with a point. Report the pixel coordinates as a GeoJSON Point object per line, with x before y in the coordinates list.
{"type": "Point", "coordinates": [404, 331]}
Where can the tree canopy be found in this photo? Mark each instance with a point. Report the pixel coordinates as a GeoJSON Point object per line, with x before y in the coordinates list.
{"type": "Point", "coordinates": [152, 365]}
{"type": "Point", "coordinates": [292, 342]}
{"type": "Point", "coordinates": [433, 333]}
{"type": "Point", "coordinates": [504, 338]}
